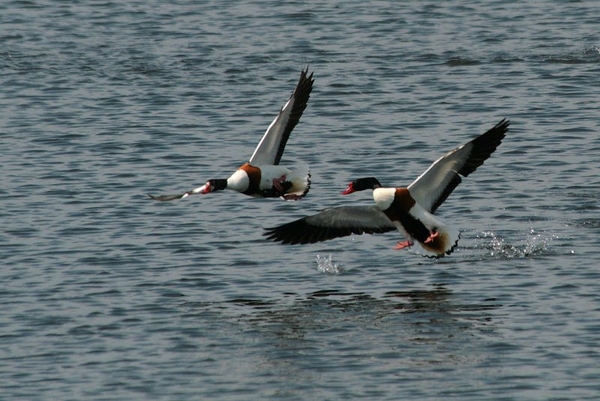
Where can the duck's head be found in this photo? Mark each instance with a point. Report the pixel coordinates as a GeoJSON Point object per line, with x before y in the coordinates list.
{"type": "Point", "coordinates": [361, 184]}
{"type": "Point", "coordinates": [214, 185]}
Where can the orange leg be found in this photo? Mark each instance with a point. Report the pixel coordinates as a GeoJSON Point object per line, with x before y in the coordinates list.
{"type": "Point", "coordinates": [404, 244]}
{"type": "Point", "coordinates": [278, 183]}
{"type": "Point", "coordinates": [434, 234]}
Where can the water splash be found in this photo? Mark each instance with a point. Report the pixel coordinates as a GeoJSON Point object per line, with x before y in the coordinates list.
{"type": "Point", "coordinates": [535, 244]}
{"type": "Point", "coordinates": [592, 50]}
{"type": "Point", "coordinates": [325, 264]}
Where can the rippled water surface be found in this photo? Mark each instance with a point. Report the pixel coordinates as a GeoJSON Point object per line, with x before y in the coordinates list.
{"type": "Point", "coordinates": [107, 294]}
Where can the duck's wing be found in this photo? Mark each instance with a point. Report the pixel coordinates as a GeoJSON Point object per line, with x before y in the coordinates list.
{"type": "Point", "coordinates": [272, 144]}
{"type": "Point", "coordinates": [432, 187]}
{"type": "Point", "coordinates": [166, 198]}
{"type": "Point", "coordinates": [332, 223]}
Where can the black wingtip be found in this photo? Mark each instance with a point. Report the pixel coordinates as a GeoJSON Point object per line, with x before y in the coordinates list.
{"type": "Point", "coordinates": [503, 125]}
{"type": "Point", "coordinates": [484, 145]}
{"type": "Point", "coordinates": [302, 95]}
{"type": "Point", "coordinates": [304, 86]}
{"type": "Point", "coordinates": [304, 75]}
{"type": "Point", "coordinates": [293, 233]}
{"type": "Point", "coordinates": [284, 235]}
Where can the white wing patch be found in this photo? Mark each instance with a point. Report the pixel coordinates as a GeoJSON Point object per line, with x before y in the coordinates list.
{"type": "Point", "coordinates": [266, 151]}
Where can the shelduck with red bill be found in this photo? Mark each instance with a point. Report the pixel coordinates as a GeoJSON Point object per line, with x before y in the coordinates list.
{"type": "Point", "coordinates": [262, 176]}
{"type": "Point", "coordinates": [409, 210]}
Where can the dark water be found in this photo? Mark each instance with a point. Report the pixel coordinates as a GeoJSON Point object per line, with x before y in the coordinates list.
{"type": "Point", "coordinates": [108, 295]}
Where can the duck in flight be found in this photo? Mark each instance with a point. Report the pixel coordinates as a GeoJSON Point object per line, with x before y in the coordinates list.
{"type": "Point", "coordinates": [262, 176]}
{"type": "Point", "coordinates": [409, 210]}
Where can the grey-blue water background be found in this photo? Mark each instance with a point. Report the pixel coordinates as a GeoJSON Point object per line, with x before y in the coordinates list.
{"type": "Point", "coordinates": [108, 295]}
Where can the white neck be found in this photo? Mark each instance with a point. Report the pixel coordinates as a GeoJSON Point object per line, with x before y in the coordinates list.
{"type": "Point", "coordinates": [239, 181]}
{"type": "Point", "coordinates": [384, 197]}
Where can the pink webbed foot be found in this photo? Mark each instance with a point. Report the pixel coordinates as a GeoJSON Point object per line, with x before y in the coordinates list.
{"type": "Point", "coordinates": [404, 244]}
{"type": "Point", "coordinates": [434, 234]}
{"type": "Point", "coordinates": [278, 183]}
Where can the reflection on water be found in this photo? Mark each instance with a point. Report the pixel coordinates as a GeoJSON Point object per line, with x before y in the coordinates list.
{"type": "Point", "coordinates": [392, 333]}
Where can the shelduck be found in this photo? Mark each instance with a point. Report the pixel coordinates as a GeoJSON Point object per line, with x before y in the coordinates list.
{"type": "Point", "coordinates": [409, 210]}
{"type": "Point", "coordinates": [262, 176]}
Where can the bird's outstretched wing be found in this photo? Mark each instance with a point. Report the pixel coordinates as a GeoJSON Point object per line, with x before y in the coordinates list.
{"type": "Point", "coordinates": [166, 198]}
{"type": "Point", "coordinates": [272, 144]}
{"type": "Point", "coordinates": [332, 223]}
{"type": "Point", "coordinates": [434, 186]}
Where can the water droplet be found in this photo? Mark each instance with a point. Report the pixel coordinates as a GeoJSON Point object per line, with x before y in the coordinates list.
{"type": "Point", "coordinates": [325, 264]}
